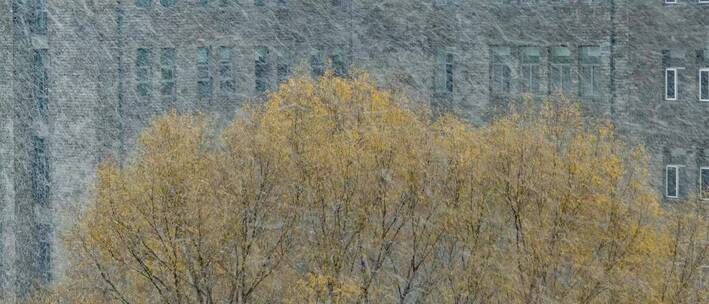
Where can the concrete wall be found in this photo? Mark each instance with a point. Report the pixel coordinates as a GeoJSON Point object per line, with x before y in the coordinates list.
{"type": "Point", "coordinates": [95, 112]}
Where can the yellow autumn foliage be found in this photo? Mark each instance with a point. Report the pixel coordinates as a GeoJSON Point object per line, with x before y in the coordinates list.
{"type": "Point", "coordinates": [336, 191]}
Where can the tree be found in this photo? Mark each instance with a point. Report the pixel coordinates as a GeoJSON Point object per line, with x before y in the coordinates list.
{"type": "Point", "coordinates": [336, 191]}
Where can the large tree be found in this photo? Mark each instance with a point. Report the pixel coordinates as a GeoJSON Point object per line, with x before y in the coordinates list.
{"type": "Point", "coordinates": [335, 191]}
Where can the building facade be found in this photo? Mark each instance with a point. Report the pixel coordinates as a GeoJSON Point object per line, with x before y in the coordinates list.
{"type": "Point", "coordinates": [80, 78]}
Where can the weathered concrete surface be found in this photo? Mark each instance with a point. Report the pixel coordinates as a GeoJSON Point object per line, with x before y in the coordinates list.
{"type": "Point", "coordinates": [437, 51]}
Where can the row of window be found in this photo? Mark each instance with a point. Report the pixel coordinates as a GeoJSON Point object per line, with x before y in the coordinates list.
{"type": "Point", "coordinates": [528, 61]}
{"type": "Point", "coordinates": [225, 74]}
{"type": "Point", "coordinates": [672, 83]}
{"type": "Point", "coordinates": [672, 182]}
{"type": "Point", "coordinates": [222, 3]}
{"type": "Point", "coordinates": [677, 1]}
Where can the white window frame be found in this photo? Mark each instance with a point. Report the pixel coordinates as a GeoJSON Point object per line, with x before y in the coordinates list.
{"type": "Point", "coordinates": [701, 190]}
{"type": "Point", "coordinates": [676, 83]}
{"type": "Point", "coordinates": [674, 1]}
{"type": "Point", "coordinates": [700, 1]}
{"type": "Point", "coordinates": [702, 70]}
{"type": "Point", "coordinates": [667, 171]}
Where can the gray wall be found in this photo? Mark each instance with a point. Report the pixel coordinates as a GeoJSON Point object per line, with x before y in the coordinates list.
{"type": "Point", "coordinates": [95, 112]}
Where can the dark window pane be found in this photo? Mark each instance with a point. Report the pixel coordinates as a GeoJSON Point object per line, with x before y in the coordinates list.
{"type": "Point", "coordinates": [143, 3]}
{"type": "Point", "coordinates": [671, 180]}
{"type": "Point", "coordinates": [670, 84]}
{"type": "Point", "coordinates": [40, 172]}
{"type": "Point", "coordinates": [704, 182]}
{"type": "Point", "coordinates": [704, 85]}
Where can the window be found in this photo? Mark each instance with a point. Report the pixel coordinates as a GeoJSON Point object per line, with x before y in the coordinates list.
{"type": "Point", "coordinates": [530, 58]}
{"type": "Point", "coordinates": [671, 84]}
{"type": "Point", "coordinates": [143, 72]}
{"type": "Point", "coordinates": [40, 172]}
{"type": "Point", "coordinates": [168, 3]}
{"type": "Point", "coordinates": [317, 66]}
{"type": "Point", "coordinates": [560, 78]}
{"type": "Point", "coordinates": [704, 183]}
{"type": "Point", "coordinates": [501, 73]}
{"type": "Point", "coordinates": [337, 60]}
{"type": "Point", "coordinates": [672, 181]}
{"type": "Point", "coordinates": [40, 82]}
{"type": "Point", "coordinates": [259, 2]}
{"type": "Point", "coordinates": [590, 71]}
{"type": "Point", "coordinates": [204, 77]}
{"type": "Point", "coordinates": [44, 251]}
{"type": "Point", "coordinates": [143, 3]}
{"type": "Point", "coordinates": [226, 71]}
{"type": "Point", "coordinates": [40, 17]}
{"type": "Point", "coordinates": [704, 84]}
{"type": "Point", "coordinates": [444, 75]}
{"type": "Point", "coordinates": [167, 72]}
{"type": "Point", "coordinates": [675, 1]}
{"type": "Point", "coordinates": [283, 68]}
{"type": "Point", "coordinates": [261, 69]}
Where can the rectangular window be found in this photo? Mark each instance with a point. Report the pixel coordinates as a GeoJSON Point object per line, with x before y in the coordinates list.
{"type": "Point", "coordinates": [704, 183]}
{"type": "Point", "coordinates": [444, 76]}
{"type": "Point", "coordinates": [590, 71]}
{"type": "Point", "coordinates": [704, 84]}
{"type": "Point", "coordinates": [530, 57]}
{"type": "Point", "coordinates": [501, 77]}
{"type": "Point", "coordinates": [672, 181]}
{"type": "Point", "coordinates": [227, 84]}
{"type": "Point", "coordinates": [143, 72]}
{"type": "Point", "coordinates": [40, 172]}
{"type": "Point", "coordinates": [259, 2]}
{"type": "Point", "coordinates": [44, 251]}
{"type": "Point", "coordinates": [167, 72]}
{"type": "Point", "coordinates": [283, 68]}
{"type": "Point", "coordinates": [560, 78]}
{"type": "Point", "coordinates": [671, 84]}
{"type": "Point", "coordinates": [204, 77]}
{"type": "Point", "coordinates": [339, 66]}
{"type": "Point", "coordinates": [261, 69]}
{"type": "Point", "coordinates": [168, 3]}
{"type": "Point", "coordinates": [317, 66]}
{"type": "Point", "coordinates": [40, 17]}
{"type": "Point", "coordinates": [40, 82]}
{"type": "Point", "coordinates": [143, 3]}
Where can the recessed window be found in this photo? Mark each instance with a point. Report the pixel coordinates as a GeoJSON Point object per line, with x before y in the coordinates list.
{"type": "Point", "coordinates": [44, 251]}
{"type": "Point", "coordinates": [227, 85]}
{"type": "Point", "coordinates": [204, 76]}
{"type": "Point", "coordinates": [704, 183]}
{"type": "Point", "coordinates": [40, 17]}
{"type": "Point", "coordinates": [167, 72]}
{"type": "Point", "coordinates": [40, 172]}
{"type": "Point", "coordinates": [143, 72]}
{"type": "Point", "coordinates": [261, 69]}
{"type": "Point", "coordinates": [672, 181]}
{"type": "Point", "coordinates": [530, 57]}
{"type": "Point", "coordinates": [317, 66]}
{"type": "Point", "coordinates": [671, 84]}
{"type": "Point", "coordinates": [444, 77]}
{"type": "Point", "coordinates": [283, 67]}
{"type": "Point", "coordinates": [337, 59]}
{"type": "Point", "coordinates": [560, 71]}
{"type": "Point", "coordinates": [590, 71]}
{"type": "Point", "coordinates": [143, 3]}
{"type": "Point", "coordinates": [501, 77]}
{"type": "Point", "coordinates": [704, 83]}
{"type": "Point", "coordinates": [40, 82]}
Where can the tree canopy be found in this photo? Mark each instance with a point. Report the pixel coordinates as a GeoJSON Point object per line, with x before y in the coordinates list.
{"type": "Point", "coordinates": [337, 191]}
